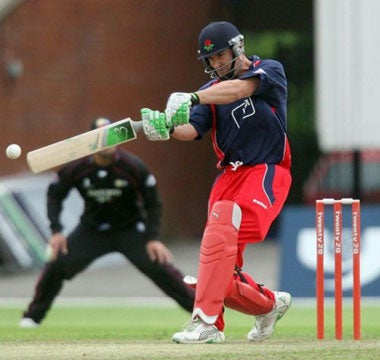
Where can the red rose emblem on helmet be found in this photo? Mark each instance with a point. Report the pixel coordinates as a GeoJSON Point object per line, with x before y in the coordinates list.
{"type": "Point", "coordinates": [208, 45]}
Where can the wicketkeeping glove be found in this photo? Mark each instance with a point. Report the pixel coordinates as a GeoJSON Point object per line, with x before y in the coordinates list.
{"type": "Point", "coordinates": [178, 108]}
{"type": "Point", "coordinates": [154, 125]}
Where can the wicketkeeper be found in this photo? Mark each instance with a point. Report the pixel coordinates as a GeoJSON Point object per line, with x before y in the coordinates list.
{"type": "Point", "coordinates": [122, 213]}
{"type": "Point", "coordinates": [244, 108]}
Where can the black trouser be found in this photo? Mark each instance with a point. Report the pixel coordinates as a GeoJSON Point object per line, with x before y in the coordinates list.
{"type": "Point", "coordinates": [86, 244]}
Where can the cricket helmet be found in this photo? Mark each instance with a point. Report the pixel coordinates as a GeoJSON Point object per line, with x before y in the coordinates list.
{"type": "Point", "coordinates": [216, 37]}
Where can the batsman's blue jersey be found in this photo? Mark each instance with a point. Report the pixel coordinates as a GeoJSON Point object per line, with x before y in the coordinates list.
{"type": "Point", "coordinates": [249, 131]}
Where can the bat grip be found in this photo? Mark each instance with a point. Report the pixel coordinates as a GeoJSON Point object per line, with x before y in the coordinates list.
{"type": "Point", "coordinates": [137, 125]}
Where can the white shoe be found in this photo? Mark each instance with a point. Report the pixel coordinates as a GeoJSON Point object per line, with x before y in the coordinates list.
{"type": "Point", "coordinates": [190, 281]}
{"type": "Point", "coordinates": [265, 324]}
{"type": "Point", "coordinates": [28, 323]}
{"type": "Point", "coordinates": [198, 332]}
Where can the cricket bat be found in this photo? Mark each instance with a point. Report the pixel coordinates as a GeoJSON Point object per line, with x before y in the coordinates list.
{"type": "Point", "coordinates": [82, 145]}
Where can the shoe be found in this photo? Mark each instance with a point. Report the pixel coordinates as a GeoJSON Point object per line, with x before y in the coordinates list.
{"type": "Point", "coordinates": [190, 281]}
{"type": "Point", "coordinates": [197, 332]}
{"type": "Point", "coordinates": [265, 324]}
{"type": "Point", "coordinates": [28, 323]}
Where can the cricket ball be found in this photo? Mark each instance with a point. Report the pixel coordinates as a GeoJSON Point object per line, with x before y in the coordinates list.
{"type": "Point", "coordinates": [13, 151]}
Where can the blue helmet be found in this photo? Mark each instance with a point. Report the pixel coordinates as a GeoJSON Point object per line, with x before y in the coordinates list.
{"type": "Point", "coordinates": [216, 37]}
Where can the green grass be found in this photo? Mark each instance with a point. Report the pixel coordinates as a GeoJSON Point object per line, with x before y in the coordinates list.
{"type": "Point", "coordinates": [132, 332]}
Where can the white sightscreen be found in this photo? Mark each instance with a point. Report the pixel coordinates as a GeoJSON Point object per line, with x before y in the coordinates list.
{"type": "Point", "coordinates": [347, 74]}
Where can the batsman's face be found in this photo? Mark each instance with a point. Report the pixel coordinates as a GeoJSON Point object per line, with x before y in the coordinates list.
{"type": "Point", "coordinates": [222, 61]}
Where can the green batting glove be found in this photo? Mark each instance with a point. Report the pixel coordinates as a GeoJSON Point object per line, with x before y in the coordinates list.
{"type": "Point", "coordinates": [181, 116]}
{"type": "Point", "coordinates": [178, 109]}
{"type": "Point", "coordinates": [154, 125]}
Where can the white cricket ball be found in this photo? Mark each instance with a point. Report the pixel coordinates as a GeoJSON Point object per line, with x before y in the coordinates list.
{"type": "Point", "coordinates": [13, 151]}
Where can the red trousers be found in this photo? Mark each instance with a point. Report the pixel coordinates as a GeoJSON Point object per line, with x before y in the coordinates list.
{"type": "Point", "coordinates": [260, 191]}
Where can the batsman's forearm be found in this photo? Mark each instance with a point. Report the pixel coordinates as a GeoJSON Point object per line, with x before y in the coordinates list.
{"type": "Point", "coordinates": [185, 132]}
{"type": "Point", "coordinates": [228, 91]}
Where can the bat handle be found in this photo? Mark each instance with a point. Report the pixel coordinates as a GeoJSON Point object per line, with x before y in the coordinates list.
{"type": "Point", "coordinates": [137, 125]}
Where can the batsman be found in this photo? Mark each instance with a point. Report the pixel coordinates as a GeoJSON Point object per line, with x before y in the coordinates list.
{"type": "Point", "coordinates": [244, 108]}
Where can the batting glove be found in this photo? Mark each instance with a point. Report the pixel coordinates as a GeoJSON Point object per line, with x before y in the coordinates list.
{"type": "Point", "coordinates": [154, 125]}
{"type": "Point", "coordinates": [178, 108]}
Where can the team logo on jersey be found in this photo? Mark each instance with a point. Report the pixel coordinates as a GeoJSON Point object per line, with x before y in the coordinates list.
{"type": "Point", "coordinates": [119, 183]}
{"type": "Point", "coordinates": [150, 181]}
{"type": "Point", "coordinates": [208, 45]}
{"type": "Point", "coordinates": [260, 71]}
{"type": "Point", "coordinates": [104, 195]}
{"type": "Point", "coordinates": [244, 110]}
{"type": "Point", "coordinates": [102, 173]}
{"type": "Point", "coordinates": [86, 183]}
{"type": "Point", "coordinates": [140, 227]}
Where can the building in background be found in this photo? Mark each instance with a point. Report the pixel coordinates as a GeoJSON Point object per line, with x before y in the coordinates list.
{"type": "Point", "coordinates": [64, 63]}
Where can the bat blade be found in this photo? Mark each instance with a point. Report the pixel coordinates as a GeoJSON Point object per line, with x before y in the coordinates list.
{"type": "Point", "coordinates": [82, 145]}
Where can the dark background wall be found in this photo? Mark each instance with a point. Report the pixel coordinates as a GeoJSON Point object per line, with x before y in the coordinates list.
{"type": "Point", "coordinates": [88, 58]}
